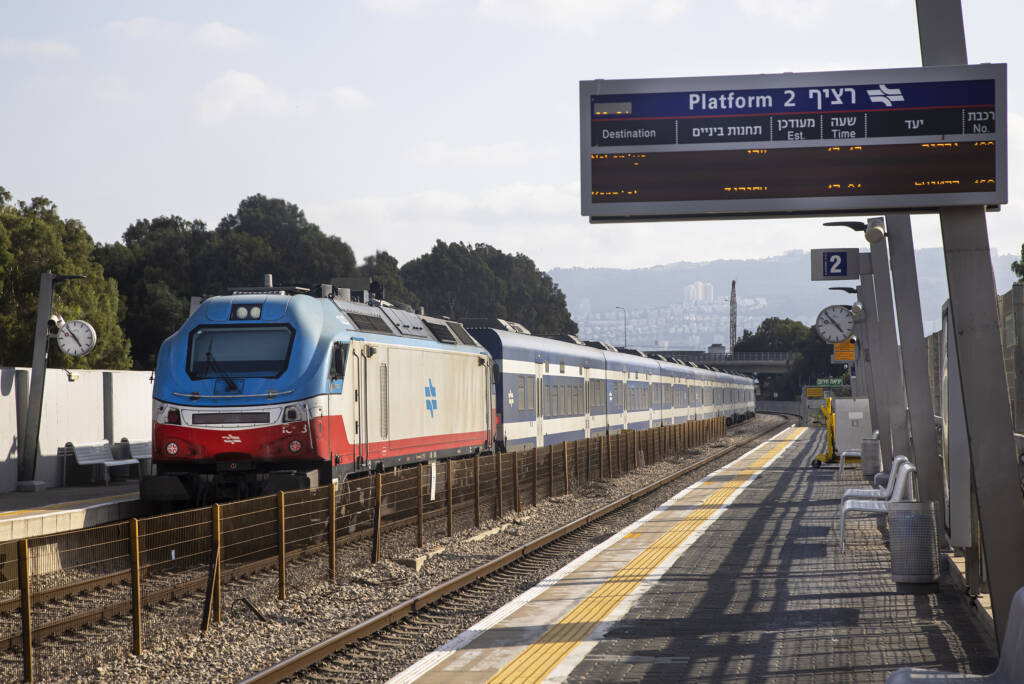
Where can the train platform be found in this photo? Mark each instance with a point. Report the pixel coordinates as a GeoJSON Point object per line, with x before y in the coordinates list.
{"type": "Point", "coordinates": [27, 514]}
{"type": "Point", "coordinates": [737, 578]}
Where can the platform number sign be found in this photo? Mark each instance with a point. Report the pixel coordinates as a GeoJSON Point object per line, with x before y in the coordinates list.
{"type": "Point", "coordinates": [835, 264]}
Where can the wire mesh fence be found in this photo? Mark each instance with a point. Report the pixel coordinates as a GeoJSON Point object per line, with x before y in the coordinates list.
{"type": "Point", "coordinates": [60, 582]}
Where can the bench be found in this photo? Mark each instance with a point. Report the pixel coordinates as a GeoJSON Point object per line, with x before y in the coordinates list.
{"type": "Point", "coordinates": [901, 491]}
{"type": "Point", "coordinates": [86, 461]}
{"type": "Point", "coordinates": [851, 454]}
{"type": "Point", "coordinates": [141, 451]}
{"type": "Point", "coordinates": [883, 493]}
{"type": "Point", "coordinates": [1011, 658]}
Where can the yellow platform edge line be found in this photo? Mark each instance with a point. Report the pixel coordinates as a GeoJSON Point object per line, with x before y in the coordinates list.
{"type": "Point", "coordinates": [537, 660]}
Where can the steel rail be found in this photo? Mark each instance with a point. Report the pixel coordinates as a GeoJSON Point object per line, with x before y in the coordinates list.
{"type": "Point", "coordinates": [315, 654]}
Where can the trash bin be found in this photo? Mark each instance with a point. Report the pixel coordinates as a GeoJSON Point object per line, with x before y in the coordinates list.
{"type": "Point", "coordinates": [913, 541]}
{"type": "Point", "coordinates": [870, 457]}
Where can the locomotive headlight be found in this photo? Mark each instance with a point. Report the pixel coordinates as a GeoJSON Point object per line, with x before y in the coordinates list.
{"type": "Point", "coordinates": [242, 313]}
{"type": "Point", "coordinates": [295, 446]}
{"type": "Point", "coordinates": [254, 312]}
{"type": "Point", "coordinates": [171, 448]}
{"type": "Point", "coordinates": [292, 414]}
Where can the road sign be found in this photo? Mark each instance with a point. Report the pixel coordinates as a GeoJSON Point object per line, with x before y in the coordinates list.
{"type": "Point", "coordinates": [829, 382]}
{"type": "Point", "coordinates": [815, 392]}
{"type": "Point", "coordinates": [838, 263]}
{"type": "Point", "coordinates": [844, 351]}
{"type": "Point", "coordinates": [793, 144]}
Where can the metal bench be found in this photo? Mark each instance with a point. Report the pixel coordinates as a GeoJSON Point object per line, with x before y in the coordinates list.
{"type": "Point", "coordinates": [883, 493]}
{"type": "Point", "coordinates": [141, 451]}
{"type": "Point", "coordinates": [1011, 658]}
{"type": "Point", "coordinates": [901, 491]}
{"type": "Point", "coordinates": [87, 461]}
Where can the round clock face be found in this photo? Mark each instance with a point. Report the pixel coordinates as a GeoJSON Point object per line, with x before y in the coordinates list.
{"type": "Point", "coordinates": [76, 338]}
{"type": "Point", "coordinates": [835, 323]}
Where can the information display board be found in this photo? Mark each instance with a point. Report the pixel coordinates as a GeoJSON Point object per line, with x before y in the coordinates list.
{"type": "Point", "coordinates": [812, 144]}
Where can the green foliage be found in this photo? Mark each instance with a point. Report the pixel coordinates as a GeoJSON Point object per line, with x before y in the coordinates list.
{"type": "Point", "coordinates": [273, 236]}
{"type": "Point", "coordinates": [34, 240]}
{"type": "Point", "coordinates": [463, 281]}
{"type": "Point", "coordinates": [165, 261]}
{"type": "Point", "coordinates": [1018, 266]}
{"type": "Point", "coordinates": [813, 355]}
{"type": "Point", "coordinates": [383, 268]}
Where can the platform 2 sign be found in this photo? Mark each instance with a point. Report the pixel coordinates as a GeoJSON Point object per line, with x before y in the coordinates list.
{"type": "Point", "coordinates": [840, 263]}
{"type": "Point", "coordinates": [811, 144]}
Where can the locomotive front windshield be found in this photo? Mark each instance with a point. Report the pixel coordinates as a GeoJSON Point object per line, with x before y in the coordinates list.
{"type": "Point", "coordinates": [249, 351]}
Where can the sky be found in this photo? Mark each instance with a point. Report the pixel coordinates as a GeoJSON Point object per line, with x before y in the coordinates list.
{"type": "Point", "coordinates": [394, 123]}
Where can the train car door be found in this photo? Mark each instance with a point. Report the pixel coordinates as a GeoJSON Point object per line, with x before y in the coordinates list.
{"type": "Point", "coordinates": [337, 403]}
{"type": "Point", "coordinates": [358, 374]}
{"type": "Point", "coordinates": [586, 402]}
{"type": "Point", "coordinates": [539, 380]}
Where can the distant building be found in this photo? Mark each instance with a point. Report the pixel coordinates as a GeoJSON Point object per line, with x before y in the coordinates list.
{"type": "Point", "coordinates": [716, 348]}
{"type": "Point", "coordinates": [699, 292]}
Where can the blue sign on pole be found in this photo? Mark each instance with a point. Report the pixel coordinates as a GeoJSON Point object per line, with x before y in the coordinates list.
{"type": "Point", "coordinates": [834, 264]}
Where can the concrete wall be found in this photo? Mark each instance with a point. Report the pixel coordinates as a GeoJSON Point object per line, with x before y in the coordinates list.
{"type": "Point", "coordinates": [8, 431]}
{"type": "Point", "coordinates": [1011, 335]}
{"type": "Point", "coordinates": [73, 411]}
{"type": "Point", "coordinates": [1011, 331]}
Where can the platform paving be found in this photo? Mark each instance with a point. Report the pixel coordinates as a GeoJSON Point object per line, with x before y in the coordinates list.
{"type": "Point", "coordinates": [29, 514]}
{"type": "Point", "coordinates": [765, 596]}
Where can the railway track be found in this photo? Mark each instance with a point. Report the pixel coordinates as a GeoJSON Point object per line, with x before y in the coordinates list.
{"type": "Point", "coordinates": [389, 641]}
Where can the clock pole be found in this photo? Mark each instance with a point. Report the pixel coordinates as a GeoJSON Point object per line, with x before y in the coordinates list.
{"type": "Point", "coordinates": [28, 440]}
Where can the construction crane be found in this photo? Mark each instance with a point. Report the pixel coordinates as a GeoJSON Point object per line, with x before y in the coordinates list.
{"type": "Point", "coordinates": [732, 319]}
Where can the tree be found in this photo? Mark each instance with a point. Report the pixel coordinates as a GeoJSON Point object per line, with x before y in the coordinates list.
{"type": "Point", "coordinates": [383, 268]}
{"type": "Point", "coordinates": [165, 261]}
{"type": "Point", "coordinates": [1018, 266]}
{"type": "Point", "coordinates": [273, 236]}
{"type": "Point", "coordinates": [813, 356]}
{"type": "Point", "coordinates": [158, 268]}
{"type": "Point", "coordinates": [463, 281]}
{"type": "Point", "coordinates": [34, 240]}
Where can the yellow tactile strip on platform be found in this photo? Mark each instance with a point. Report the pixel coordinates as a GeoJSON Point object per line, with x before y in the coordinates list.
{"type": "Point", "coordinates": [537, 661]}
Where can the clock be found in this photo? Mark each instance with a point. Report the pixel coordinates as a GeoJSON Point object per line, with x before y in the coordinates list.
{"type": "Point", "coordinates": [835, 323]}
{"type": "Point", "coordinates": [76, 338]}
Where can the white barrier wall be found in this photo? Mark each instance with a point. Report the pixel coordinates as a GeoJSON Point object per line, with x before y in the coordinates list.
{"type": "Point", "coordinates": [8, 431]}
{"type": "Point", "coordinates": [73, 411]}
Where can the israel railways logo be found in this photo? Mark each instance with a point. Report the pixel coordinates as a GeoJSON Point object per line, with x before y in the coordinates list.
{"type": "Point", "coordinates": [431, 393]}
{"type": "Point", "coordinates": [231, 439]}
{"type": "Point", "coordinates": [885, 95]}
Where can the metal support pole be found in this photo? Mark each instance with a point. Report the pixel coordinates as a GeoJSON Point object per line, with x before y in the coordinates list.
{"type": "Point", "coordinates": [890, 347]}
{"type": "Point", "coordinates": [880, 398]}
{"type": "Point", "coordinates": [451, 500]}
{"type": "Point", "coordinates": [419, 504]}
{"type": "Point", "coordinates": [218, 554]}
{"type": "Point", "coordinates": [40, 352]}
{"type": "Point", "coordinates": [915, 362]}
{"type": "Point", "coordinates": [378, 512]}
{"type": "Point", "coordinates": [282, 585]}
{"type": "Point", "coordinates": [515, 480]}
{"type": "Point", "coordinates": [26, 608]}
{"type": "Point", "coordinates": [497, 493]}
{"type": "Point", "coordinates": [476, 492]}
{"type": "Point", "coordinates": [972, 295]}
{"type": "Point", "coordinates": [565, 467]}
{"type": "Point", "coordinates": [332, 531]}
{"type": "Point", "coordinates": [136, 576]}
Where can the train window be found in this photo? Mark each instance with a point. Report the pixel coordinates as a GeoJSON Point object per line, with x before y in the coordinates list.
{"type": "Point", "coordinates": [521, 394]}
{"type": "Point", "coordinates": [251, 351]}
{"type": "Point", "coordinates": [561, 366]}
{"type": "Point", "coordinates": [338, 360]}
{"type": "Point", "coordinates": [530, 391]}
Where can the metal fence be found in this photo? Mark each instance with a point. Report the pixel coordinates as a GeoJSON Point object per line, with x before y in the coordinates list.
{"type": "Point", "coordinates": [53, 584]}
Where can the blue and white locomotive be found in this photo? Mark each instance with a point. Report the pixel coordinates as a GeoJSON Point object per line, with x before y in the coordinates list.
{"type": "Point", "coordinates": [273, 388]}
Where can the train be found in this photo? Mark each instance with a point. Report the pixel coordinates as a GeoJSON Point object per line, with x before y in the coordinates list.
{"type": "Point", "coordinates": [276, 388]}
